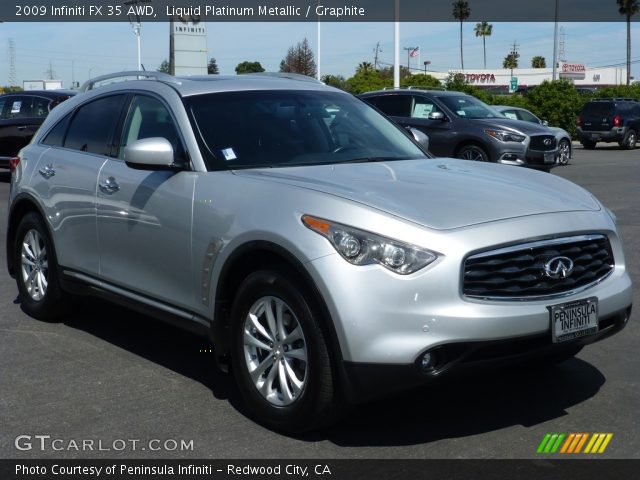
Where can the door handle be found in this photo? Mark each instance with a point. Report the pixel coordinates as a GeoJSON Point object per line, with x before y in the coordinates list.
{"type": "Point", "coordinates": [22, 128]}
{"type": "Point", "coordinates": [109, 185]}
{"type": "Point", "coordinates": [47, 171]}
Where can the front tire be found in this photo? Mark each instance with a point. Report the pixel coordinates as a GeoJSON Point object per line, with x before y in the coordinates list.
{"type": "Point", "coordinates": [280, 358]}
{"type": "Point", "coordinates": [474, 153]}
{"type": "Point", "coordinates": [37, 270]}
{"type": "Point", "coordinates": [564, 152]}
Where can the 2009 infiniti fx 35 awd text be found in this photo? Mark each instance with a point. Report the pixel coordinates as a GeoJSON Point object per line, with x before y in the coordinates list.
{"type": "Point", "coordinates": [330, 258]}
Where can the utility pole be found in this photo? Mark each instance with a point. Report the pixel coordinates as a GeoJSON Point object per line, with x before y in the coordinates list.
{"type": "Point", "coordinates": [555, 43]}
{"type": "Point", "coordinates": [514, 55]}
{"type": "Point", "coordinates": [396, 46]}
{"type": "Point", "coordinates": [377, 51]}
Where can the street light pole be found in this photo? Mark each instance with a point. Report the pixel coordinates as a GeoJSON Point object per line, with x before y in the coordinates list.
{"type": "Point", "coordinates": [555, 43]}
{"type": "Point", "coordinates": [396, 47]}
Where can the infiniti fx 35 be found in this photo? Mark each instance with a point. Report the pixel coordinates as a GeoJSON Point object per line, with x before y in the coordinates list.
{"type": "Point", "coordinates": [328, 256]}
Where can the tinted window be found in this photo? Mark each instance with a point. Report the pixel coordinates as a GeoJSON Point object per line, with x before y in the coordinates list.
{"type": "Point", "coordinates": [17, 107]}
{"type": "Point", "coordinates": [598, 108]}
{"type": "Point", "coordinates": [394, 105]}
{"type": "Point", "coordinates": [40, 107]}
{"type": "Point", "coordinates": [286, 128]}
{"type": "Point", "coordinates": [93, 124]}
{"type": "Point", "coordinates": [55, 137]}
{"type": "Point", "coordinates": [2, 102]}
{"type": "Point", "coordinates": [149, 118]}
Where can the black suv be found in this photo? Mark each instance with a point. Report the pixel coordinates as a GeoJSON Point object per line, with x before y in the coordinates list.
{"type": "Point", "coordinates": [459, 125]}
{"type": "Point", "coordinates": [21, 114]}
{"type": "Point", "coordinates": [610, 120]}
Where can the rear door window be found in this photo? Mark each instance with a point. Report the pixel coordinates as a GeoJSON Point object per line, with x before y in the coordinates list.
{"type": "Point", "coordinates": [93, 124]}
{"type": "Point", "coordinates": [395, 105]}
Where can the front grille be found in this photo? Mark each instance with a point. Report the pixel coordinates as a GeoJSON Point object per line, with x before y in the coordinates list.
{"type": "Point", "coordinates": [537, 143]}
{"type": "Point", "coordinates": [519, 271]}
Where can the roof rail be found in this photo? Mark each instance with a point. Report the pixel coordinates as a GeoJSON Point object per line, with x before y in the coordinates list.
{"type": "Point", "coordinates": [291, 76]}
{"type": "Point", "coordinates": [616, 99]}
{"type": "Point", "coordinates": [128, 75]}
{"type": "Point", "coordinates": [413, 87]}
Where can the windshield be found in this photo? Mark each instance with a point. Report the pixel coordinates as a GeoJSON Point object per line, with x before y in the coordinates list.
{"type": "Point", "coordinates": [287, 128]}
{"type": "Point", "coordinates": [465, 106]}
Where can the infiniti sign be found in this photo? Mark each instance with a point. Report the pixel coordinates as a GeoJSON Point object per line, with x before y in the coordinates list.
{"type": "Point", "coordinates": [558, 267]}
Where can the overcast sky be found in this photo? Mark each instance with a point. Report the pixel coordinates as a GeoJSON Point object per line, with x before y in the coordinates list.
{"type": "Point", "coordinates": [100, 48]}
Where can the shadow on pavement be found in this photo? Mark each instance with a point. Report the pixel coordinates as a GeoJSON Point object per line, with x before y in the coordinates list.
{"type": "Point", "coordinates": [455, 407]}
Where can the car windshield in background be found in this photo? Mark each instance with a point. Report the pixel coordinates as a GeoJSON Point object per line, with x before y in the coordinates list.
{"type": "Point", "coordinates": [288, 128]}
{"type": "Point", "coordinates": [468, 107]}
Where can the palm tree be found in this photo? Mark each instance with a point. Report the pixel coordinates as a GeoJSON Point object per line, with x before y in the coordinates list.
{"type": "Point", "coordinates": [628, 8]}
{"type": "Point", "coordinates": [461, 11]}
{"type": "Point", "coordinates": [484, 30]}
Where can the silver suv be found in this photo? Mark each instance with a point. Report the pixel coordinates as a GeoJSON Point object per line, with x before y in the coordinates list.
{"type": "Point", "coordinates": [328, 257]}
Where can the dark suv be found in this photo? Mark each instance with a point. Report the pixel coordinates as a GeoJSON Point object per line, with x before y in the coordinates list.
{"type": "Point", "coordinates": [610, 120]}
{"type": "Point", "coordinates": [21, 114]}
{"type": "Point", "coordinates": [459, 125]}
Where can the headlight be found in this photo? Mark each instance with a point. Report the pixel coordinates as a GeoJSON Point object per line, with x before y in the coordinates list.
{"type": "Point", "coordinates": [364, 248]}
{"type": "Point", "coordinates": [505, 135]}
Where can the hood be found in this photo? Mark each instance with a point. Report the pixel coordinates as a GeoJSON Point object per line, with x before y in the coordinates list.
{"type": "Point", "coordinates": [439, 193]}
{"type": "Point", "coordinates": [528, 128]}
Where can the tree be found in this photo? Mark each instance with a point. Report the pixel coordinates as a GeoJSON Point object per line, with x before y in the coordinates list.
{"type": "Point", "coordinates": [558, 102]}
{"type": "Point", "coordinates": [538, 62]}
{"type": "Point", "coordinates": [337, 81]}
{"type": "Point", "coordinates": [212, 67]}
{"type": "Point", "coordinates": [628, 8]}
{"type": "Point", "coordinates": [484, 30]}
{"type": "Point", "coordinates": [299, 59]}
{"type": "Point", "coordinates": [164, 67]}
{"type": "Point", "coordinates": [461, 11]}
{"type": "Point", "coordinates": [511, 60]}
{"type": "Point", "coordinates": [249, 67]}
{"type": "Point", "coordinates": [420, 80]}
{"type": "Point", "coordinates": [365, 67]}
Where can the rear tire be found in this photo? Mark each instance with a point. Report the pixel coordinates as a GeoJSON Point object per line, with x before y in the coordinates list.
{"type": "Point", "coordinates": [37, 274]}
{"type": "Point", "coordinates": [279, 355]}
{"type": "Point", "coordinates": [588, 144]}
{"type": "Point", "coordinates": [630, 140]}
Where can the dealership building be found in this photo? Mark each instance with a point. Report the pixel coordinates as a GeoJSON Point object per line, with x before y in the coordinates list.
{"type": "Point", "coordinates": [580, 74]}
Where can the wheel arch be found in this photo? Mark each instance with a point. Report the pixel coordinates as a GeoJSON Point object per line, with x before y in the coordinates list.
{"type": "Point", "coordinates": [472, 142]}
{"type": "Point", "coordinates": [259, 255]}
{"type": "Point", "coordinates": [21, 206]}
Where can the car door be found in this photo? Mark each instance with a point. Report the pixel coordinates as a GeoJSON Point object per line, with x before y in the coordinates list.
{"type": "Point", "coordinates": [66, 178]}
{"type": "Point", "coordinates": [438, 131]}
{"type": "Point", "coordinates": [144, 216]}
{"type": "Point", "coordinates": [19, 121]}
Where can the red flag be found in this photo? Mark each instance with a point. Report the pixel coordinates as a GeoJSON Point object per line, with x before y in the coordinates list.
{"type": "Point", "coordinates": [415, 52]}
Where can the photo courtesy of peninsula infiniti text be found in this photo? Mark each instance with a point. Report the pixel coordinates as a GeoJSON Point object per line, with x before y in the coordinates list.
{"type": "Point", "coordinates": [328, 256]}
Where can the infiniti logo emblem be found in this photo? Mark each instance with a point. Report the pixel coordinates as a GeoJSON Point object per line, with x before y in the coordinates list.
{"type": "Point", "coordinates": [558, 267]}
{"type": "Point", "coordinates": [547, 141]}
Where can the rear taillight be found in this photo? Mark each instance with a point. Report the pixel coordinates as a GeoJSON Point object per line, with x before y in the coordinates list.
{"type": "Point", "coordinates": [617, 121]}
{"type": "Point", "coordinates": [13, 163]}
{"type": "Point", "coordinates": [579, 121]}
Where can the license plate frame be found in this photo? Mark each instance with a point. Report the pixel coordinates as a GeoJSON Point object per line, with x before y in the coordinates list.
{"type": "Point", "coordinates": [573, 320]}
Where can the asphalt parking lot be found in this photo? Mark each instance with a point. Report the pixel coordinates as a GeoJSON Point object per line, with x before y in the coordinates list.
{"type": "Point", "coordinates": [107, 374]}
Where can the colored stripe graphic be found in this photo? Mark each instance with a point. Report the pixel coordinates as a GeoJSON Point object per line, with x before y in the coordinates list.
{"type": "Point", "coordinates": [574, 443]}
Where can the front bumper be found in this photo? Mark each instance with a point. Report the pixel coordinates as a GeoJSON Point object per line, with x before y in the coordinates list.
{"type": "Point", "coordinates": [363, 380]}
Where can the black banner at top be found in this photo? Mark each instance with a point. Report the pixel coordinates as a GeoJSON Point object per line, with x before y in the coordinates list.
{"type": "Point", "coordinates": [309, 10]}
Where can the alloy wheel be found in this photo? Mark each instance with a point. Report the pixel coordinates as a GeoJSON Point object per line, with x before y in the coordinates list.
{"type": "Point", "coordinates": [474, 154]}
{"type": "Point", "coordinates": [34, 265]}
{"type": "Point", "coordinates": [564, 153]}
{"type": "Point", "coordinates": [275, 351]}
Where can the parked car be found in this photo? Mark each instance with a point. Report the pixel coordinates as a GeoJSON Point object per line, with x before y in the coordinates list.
{"type": "Point", "coordinates": [565, 150]}
{"type": "Point", "coordinates": [328, 256]}
{"type": "Point", "coordinates": [609, 120]}
{"type": "Point", "coordinates": [21, 114]}
{"type": "Point", "coordinates": [461, 126]}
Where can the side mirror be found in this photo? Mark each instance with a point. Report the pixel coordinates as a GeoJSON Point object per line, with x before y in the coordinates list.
{"type": "Point", "coordinates": [436, 116]}
{"type": "Point", "coordinates": [154, 153]}
{"type": "Point", "coordinates": [545, 123]}
{"type": "Point", "coordinates": [420, 137]}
